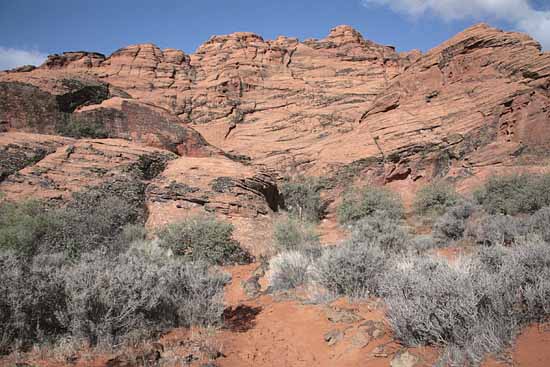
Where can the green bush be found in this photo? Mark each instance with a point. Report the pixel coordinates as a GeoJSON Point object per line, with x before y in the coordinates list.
{"type": "Point", "coordinates": [302, 198]}
{"type": "Point", "coordinates": [379, 230]}
{"type": "Point", "coordinates": [497, 229]}
{"type": "Point", "coordinates": [132, 232]}
{"type": "Point", "coordinates": [367, 201]}
{"type": "Point", "coordinates": [293, 234]}
{"type": "Point", "coordinates": [24, 226]}
{"type": "Point", "coordinates": [515, 194]}
{"type": "Point", "coordinates": [93, 220]}
{"type": "Point", "coordinates": [203, 238]}
{"type": "Point", "coordinates": [434, 199]}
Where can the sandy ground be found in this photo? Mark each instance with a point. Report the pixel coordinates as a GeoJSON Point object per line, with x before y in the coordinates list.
{"type": "Point", "coordinates": [284, 330]}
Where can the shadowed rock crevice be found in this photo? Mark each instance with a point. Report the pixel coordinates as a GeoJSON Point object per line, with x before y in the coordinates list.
{"type": "Point", "coordinates": [81, 94]}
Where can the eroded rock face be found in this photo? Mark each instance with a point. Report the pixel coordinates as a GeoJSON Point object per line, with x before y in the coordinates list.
{"type": "Point", "coordinates": [318, 105]}
{"type": "Point", "coordinates": [135, 121]}
{"type": "Point", "coordinates": [82, 107]}
{"type": "Point", "coordinates": [72, 165]}
{"type": "Point", "coordinates": [478, 96]}
{"type": "Point", "coordinates": [243, 195]}
{"type": "Point", "coordinates": [239, 87]}
{"type": "Point", "coordinates": [341, 107]}
{"type": "Point", "coordinates": [77, 60]}
{"type": "Point", "coordinates": [18, 150]}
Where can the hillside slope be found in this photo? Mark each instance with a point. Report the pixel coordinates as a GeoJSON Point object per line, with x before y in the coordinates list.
{"type": "Point", "coordinates": [343, 108]}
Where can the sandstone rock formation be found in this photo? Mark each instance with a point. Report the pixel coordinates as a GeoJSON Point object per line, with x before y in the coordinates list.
{"type": "Point", "coordinates": [242, 110]}
{"type": "Point", "coordinates": [19, 150]}
{"type": "Point", "coordinates": [76, 106]}
{"type": "Point", "coordinates": [70, 165]}
{"type": "Point", "coordinates": [243, 194]}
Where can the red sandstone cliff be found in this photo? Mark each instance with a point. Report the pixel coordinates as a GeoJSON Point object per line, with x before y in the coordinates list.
{"type": "Point", "coordinates": [246, 110]}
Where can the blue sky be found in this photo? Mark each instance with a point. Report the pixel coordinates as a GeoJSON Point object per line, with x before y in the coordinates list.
{"type": "Point", "coordinates": [30, 29]}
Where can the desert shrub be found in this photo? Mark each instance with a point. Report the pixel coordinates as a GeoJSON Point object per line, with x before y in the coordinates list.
{"type": "Point", "coordinates": [293, 234]}
{"type": "Point", "coordinates": [514, 194]}
{"type": "Point", "coordinates": [505, 229]}
{"type": "Point", "coordinates": [434, 199]}
{"type": "Point", "coordinates": [379, 230]}
{"type": "Point", "coordinates": [539, 224]}
{"type": "Point", "coordinates": [133, 297]}
{"type": "Point", "coordinates": [473, 307]}
{"type": "Point", "coordinates": [524, 279]}
{"type": "Point", "coordinates": [23, 226]}
{"type": "Point", "coordinates": [423, 242]}
{"type": "Point", "coordinates": [490, 258]}
{"type": "Point", "coordinates": [452, 224]}
{"type": "Point", "coordinates": [103, 300]}
{"type": "Point", "coordinates": [351, 269]}
{"type": "Point", "coordinates": [150, 165]}
{"type": "Point", "coordinates": [367, 201]}
{"type": "Point", "coordinates": [430, 302]}
{"type": "Point", "coordinates": [150, 249]}
{"type": "Point", "coordinates": [289, 270]}
{"type": "Point", "coordinates": [132, 232]}
{"type": "Point", "coordinates": [92, 221]}
{"type": "Point", "coordinates": [302, 198]}
{"type": "Point", "coordinates": [497, 229]}
{"type": "Point", "coordinates": [203, 238]}
{"type": "Point", "coordinates": [32, 296]}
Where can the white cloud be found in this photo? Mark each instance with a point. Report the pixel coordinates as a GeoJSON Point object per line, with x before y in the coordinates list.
{"type": "Point", "coordinates": [13, 57]}
{"type": "Point", "coordinates": [520, 13]}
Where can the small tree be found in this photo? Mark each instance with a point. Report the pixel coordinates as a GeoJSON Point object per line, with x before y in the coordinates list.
{"type": "Point", "coordinates": [203, 238]}
{"type": "Point", "coordinates": [302, 198]}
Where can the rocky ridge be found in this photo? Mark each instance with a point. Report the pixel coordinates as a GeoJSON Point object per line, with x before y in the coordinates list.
{"type": "Point", "coordinates": [242, 111]}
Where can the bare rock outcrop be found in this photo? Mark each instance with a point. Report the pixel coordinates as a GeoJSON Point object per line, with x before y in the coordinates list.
{"type": "Point", "coordinates": [243, 195]}
{"type": "Point", "coordinates": [315, 106]}
{"type": "Point", "coordinates": [67, 104]}
{"type": "Point", "coordinates": [73, 165]}
{"type": "Point", "coordinates": [479, 96]}
{"type": "Point", "coordinates": [342, 107]}
{"type": "Point", "coordinates": [19, 150]}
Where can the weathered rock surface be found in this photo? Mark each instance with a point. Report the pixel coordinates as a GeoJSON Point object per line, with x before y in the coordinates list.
{"type": "Point", "coordinates": [152, 126]}
{"type": "Point", "coordinates": [317, 105]}
{"type": "Point", "coordinates": [70, 105]}
{"type": "Point", "coordinates": [19, 150]}
{"type": "Point", "coordinates": [244, 195]}
{"type": "Point", "coordinates": [73, 165]}
{"type": "Point", "coordinates": [341, 107]}
{"type": "Point", "coordinates": [479, 96]}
